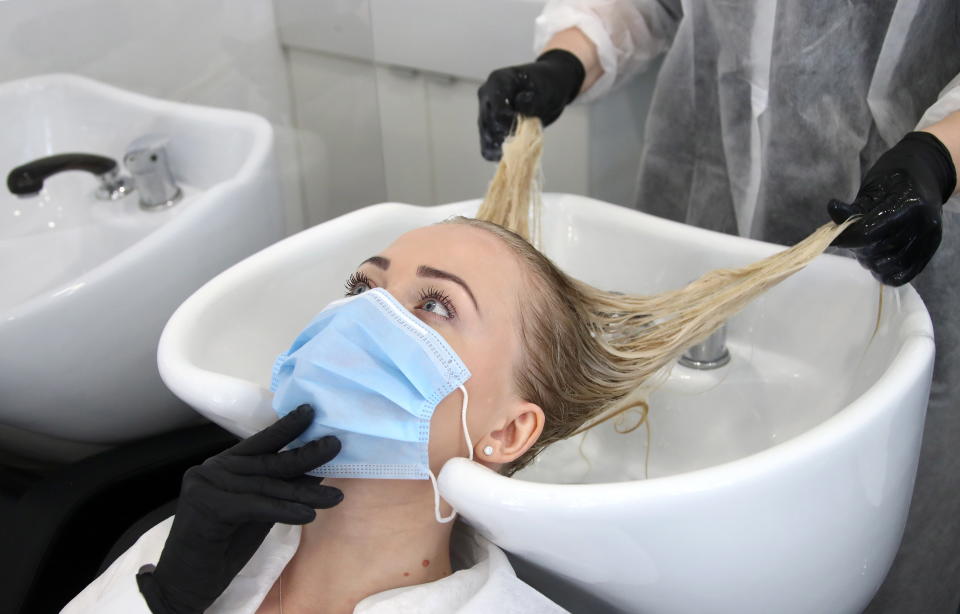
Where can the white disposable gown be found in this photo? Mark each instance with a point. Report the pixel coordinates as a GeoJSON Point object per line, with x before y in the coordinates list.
{"type": "Point", "coordinates": [485, 581]}
{"type": "Point", "coordinates": [764, 106]}
{"type": "Point", "coordinates": [764, 110]}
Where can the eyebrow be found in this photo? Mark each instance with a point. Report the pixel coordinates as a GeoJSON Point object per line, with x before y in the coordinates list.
{"type": "Point", "coordinates": [429, 271]}
{"type": "Point", "coordinates": [379, 261]}
{"type": "Point", "coordinates": [425, 271]}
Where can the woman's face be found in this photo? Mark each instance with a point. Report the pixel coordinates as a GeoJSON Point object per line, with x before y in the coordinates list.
{"type": "Point", "coordinates": [466, 284]}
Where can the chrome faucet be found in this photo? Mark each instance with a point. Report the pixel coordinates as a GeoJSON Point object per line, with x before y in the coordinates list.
{"type": "Point", "coordinates": [146, 159]}
{"type": "Point", "coordinates": [711, 353]}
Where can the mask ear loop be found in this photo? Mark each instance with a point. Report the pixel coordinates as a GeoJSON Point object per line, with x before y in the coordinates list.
{"type": "Point", "coordinates": [466, 436]}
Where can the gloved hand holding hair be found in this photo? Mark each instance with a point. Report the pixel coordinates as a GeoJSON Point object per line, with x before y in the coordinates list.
{"type": "Point", "coordinates": [540, 89]}
{"type": "Point", "coordinates": [228, 505]}
{"type": "Point", "coordinates": [900, 200]}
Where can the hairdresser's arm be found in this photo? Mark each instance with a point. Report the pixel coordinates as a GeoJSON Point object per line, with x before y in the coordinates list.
{"type": "Point", "coordinates": [900, 200]}
{"type": "Point", "coordinates": [574, 41]}
{"type": "Point", "coordinates": [947, 131]}
{"type": "Point", "coordinates": [615, 39]}
{"type": "Point", "coordinates": [585, 48]}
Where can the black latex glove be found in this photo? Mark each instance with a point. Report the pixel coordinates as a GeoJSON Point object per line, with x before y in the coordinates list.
{"type": "Point", "coordinates": [541, 89]}
{"type": "Point", "coordinates": [228, 505]}
{"type": "Point", "coordinates": [900, 200]}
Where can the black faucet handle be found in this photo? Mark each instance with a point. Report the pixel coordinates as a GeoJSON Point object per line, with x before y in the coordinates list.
{"type": "Point", "coordinates": [28, 178]}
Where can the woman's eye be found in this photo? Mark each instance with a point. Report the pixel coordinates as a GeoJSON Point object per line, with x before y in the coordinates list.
{"type": "Point", "coordinates": [437, 303]}
{"type": "Point", "coordinates": [358, 283]}
{"type": "Point", "coordinates": [357, 289]}
{"type": "Point", "coordinates": [434, 306]}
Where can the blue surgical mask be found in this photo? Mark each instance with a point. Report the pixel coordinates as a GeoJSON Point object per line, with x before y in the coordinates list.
{"type": "Point", "coordinates": [374, 374]}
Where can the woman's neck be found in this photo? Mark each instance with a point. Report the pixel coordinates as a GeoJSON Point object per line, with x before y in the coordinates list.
{"type": "Point", "coordinates": [382, 535]}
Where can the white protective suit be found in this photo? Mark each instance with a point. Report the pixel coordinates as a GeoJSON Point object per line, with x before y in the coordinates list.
{"type": "Point", "coordinates": [485, 581]}
{"type": "Point", "coordinates": [763, 111]}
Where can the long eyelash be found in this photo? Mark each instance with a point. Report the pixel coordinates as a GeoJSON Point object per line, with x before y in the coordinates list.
{"type": "Point", "coordinates": [355, 280]}
{"type": "Point", "coordinates": [437, 295]}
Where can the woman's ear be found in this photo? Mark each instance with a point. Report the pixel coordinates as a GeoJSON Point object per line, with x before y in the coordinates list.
{"type": "Point", "coordinates": [521, 429]}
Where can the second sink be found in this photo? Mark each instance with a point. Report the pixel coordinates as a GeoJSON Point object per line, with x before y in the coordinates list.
{"type": "Point", "coordinates": [87, 284]}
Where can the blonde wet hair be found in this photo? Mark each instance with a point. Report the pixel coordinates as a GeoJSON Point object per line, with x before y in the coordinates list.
{"type": "Point", "coordinates": [585, 350]}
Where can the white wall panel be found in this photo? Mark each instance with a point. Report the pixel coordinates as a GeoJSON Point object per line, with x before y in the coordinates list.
{"type": "Point", "coordinates": [338, 128]}
{"type": "Point", "coordinates": [404, 122]}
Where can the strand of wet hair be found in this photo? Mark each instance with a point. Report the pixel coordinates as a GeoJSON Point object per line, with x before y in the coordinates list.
{"type": "Point", "coordinates": [633, 338]}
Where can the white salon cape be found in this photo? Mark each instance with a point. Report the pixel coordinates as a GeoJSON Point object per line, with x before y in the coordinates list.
{"type": "Point", "coordinates": [484, 583]}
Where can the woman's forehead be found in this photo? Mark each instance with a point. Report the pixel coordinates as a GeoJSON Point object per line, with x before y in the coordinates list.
{"type": "Point", "coordinates": [454, 244]}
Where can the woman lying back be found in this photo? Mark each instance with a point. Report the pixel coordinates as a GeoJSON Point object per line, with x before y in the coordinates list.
{"type": "Point", "coordinates": [458, 340]}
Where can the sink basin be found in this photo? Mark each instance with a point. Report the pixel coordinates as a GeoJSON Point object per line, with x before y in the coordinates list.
{"type": "Point", "coordinates": [777, 483]}
{"type": "Point", "coordinates": [88, 284]}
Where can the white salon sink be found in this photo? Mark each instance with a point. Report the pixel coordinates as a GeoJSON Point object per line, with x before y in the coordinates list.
{"type": "Point", "coordinates": [779, 483]}
{"type": "Point", "coordinates": [87, 284]}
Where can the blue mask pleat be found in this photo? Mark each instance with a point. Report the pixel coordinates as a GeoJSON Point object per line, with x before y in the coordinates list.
{"type": "Point", "coordinates": [340, 359]}
{"type": "Point", "coordinates": [408, 360]}
{"type": "Point", "coordinates": [330, 395]}
{"type": "Point", "coordinates": [394, 460]}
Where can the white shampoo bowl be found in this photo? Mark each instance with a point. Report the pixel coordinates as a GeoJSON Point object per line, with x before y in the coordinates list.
{"type": "Point", "coordinates": [779, 483]}
{"type": "Point", "coordinates": [87, 285]}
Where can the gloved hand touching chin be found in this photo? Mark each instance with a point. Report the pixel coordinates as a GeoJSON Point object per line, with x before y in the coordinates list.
{"type": "Point", "coordinates": [540, 89]}
{"type": "Point", "coordinates": [900, 200]}
{"type": "Point", "coordinates": [227, 506]}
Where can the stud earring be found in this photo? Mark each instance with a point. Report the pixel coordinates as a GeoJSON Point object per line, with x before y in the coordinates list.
{"type": "Point", "coordinates": [488, 450]}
